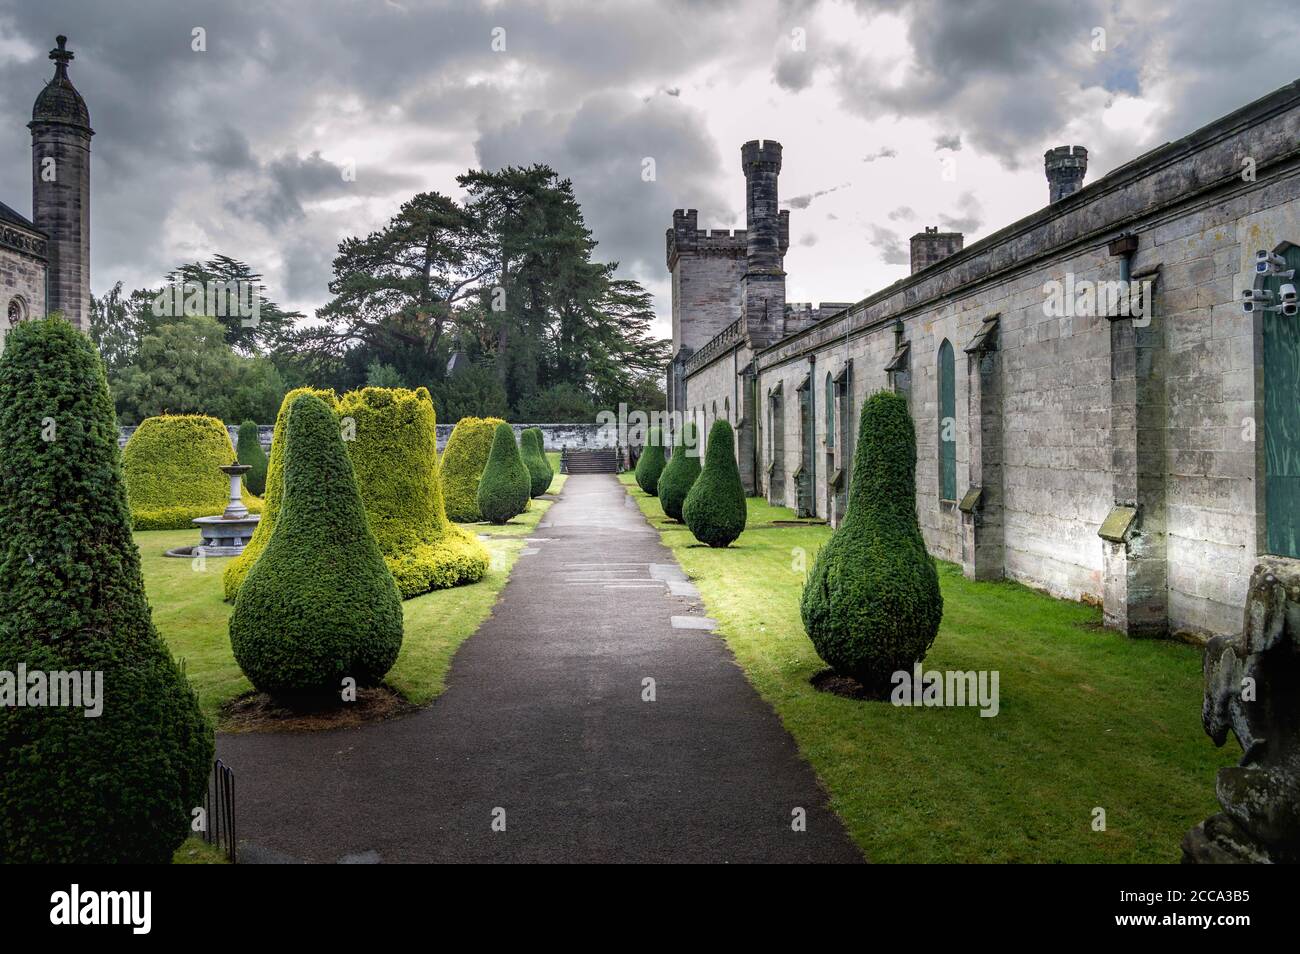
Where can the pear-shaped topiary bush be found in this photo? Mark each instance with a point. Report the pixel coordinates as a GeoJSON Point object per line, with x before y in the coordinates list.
{"type": "Point", "coordinates": [117, 786]}
{"type": "Point", "coordinates": [463, 460]}
{"type": "Point", "coordinates": [651, 462]}
{"type": "Point", "coordinates": [249, 451]}
{"type": "Point", "coordinates": [172, 468]}
{"type": "Point", "coordinates": [394, 452]}
{"type": "Point", "coordinates": [871, 604]}
{"type": "Point", "coordinates": [505, 487]}
{"type": "Point", "coordinates": [679, 476]}
{"type": "Point", "coordinates": [319, 605]}
{"type": "Point", "coordinates": [715, 505]}
{"type": "Point", "coordinates": [233, 576]}
{"type": "Point", "coordinates": [532, 448]}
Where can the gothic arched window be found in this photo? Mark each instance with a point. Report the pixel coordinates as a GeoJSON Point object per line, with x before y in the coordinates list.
{"type": "Point", "coordinates": [947, 422]}
{"type": "Point", "coordinates": [16, 311]}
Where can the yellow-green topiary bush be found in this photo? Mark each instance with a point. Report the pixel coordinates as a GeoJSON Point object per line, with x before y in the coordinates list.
{"type": "Point", "coordinates": [394, 452]}
{"type": "Point", "coordinates": [239, 566]}
{"type": "Point", "coordinates": [463, 461]}
{"type": "Point", "coordinates": [171, 469]}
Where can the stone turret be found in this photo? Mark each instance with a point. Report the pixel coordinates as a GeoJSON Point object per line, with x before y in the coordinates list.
{"type": "Point", "coordinates": [1065, 167]}
{"type": "Point", "coordinates": [767, 235]}
{"type": "Point", "coordinates": [61, 189]}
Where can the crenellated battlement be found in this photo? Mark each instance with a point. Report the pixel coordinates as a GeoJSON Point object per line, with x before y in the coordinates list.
{"type": "Point", "coordinates": [760, 151]}
{"type": "Point", "coordinates": [685, 238]}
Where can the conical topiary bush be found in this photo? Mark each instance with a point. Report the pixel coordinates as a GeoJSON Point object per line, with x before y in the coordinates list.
{"type": "Point", "coordinates": [715, 505]}
{"type": "Point", "coordinates": [651, 462]}
{"type": "Point", "coordinates": [532, 448]}
{"type": "Point", "coordinates": [463, 460]}
{"type": "Point", "coordinates": [319, 605]}
{"type": "Point", "coordinates": [172, 468]}
{"type": "Point", "coordinates": [118, 787]}
{"type": "Point", "coordinates": [679, 476]}
{"type": "Point", "coordinates": [394, 452]}
{"type": "Point", "coordinates": [504, 489]}
{"type": "Point", "coordinates": [249, 451]}
{"type": "Point", "coordinates": [871, 604]}
{"type": "Point", "coordinates": [233, 576]}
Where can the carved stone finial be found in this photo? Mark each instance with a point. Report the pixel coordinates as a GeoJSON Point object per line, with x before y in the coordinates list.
{"type": "Point", "coordinates": [1252, 688]}
{"type": "Point", "coordinates": [61, 56]}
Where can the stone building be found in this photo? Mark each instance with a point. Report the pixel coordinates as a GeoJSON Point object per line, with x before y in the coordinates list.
{"type": "Point", "coordinates": [45, 261]}
{"type": "Point", "coordinates": [1099, 413]}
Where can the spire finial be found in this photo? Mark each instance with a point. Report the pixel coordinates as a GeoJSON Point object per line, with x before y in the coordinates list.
{"type": "Point", "coordinates": [61, 55]}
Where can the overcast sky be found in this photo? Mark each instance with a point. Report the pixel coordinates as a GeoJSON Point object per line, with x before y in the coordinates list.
{"type": "Point", "coordinates": [241, 149]}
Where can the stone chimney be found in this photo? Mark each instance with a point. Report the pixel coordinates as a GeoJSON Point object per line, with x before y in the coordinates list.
{"type": "Point", "coordinates": [933, 246]}
{"type": "Point", "coordinates": [1066, 167]}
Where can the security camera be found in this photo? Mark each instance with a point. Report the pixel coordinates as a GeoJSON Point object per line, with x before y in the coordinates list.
{"type": "Point", "coordinates": [1267, 263]}
{"type": "Point", "coordinates": [1257, 295]}
{"type": "Point", "coordinates": [1290, 308]}
{"type": "Point", "coordinates": [1287, 293]}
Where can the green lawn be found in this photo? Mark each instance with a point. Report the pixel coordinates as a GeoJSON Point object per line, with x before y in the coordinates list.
{"type": "Point", "coordinates": [190, 614]}
{"type": "Point", "coordinates": [1088, 719]}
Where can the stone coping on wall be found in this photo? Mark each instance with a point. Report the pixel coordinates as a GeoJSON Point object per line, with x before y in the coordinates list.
{"type": "Point", "coordinates": [1211, 158]}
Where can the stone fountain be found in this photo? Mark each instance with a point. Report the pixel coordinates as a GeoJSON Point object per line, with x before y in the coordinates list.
{"type": "Point", "coordinates": [227, 533]}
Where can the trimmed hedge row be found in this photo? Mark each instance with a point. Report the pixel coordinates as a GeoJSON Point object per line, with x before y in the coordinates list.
{"type": "Point", "coordinates": [651, 462]}
{"type": "Point", "coordinates": [505, 487]}
{"type": "Point", "coordinates": [395, 456]}
{"type": "Point", "coordinates": [871, 604]}
{"type": "Point", "coordinates": [171, 468]}
{"type": "Point", "coordinates": [238, 568]}
{"type": "Point", "coordinates": [119, 787]}
{"type": "Point", "coordinates": [463, 460]}
{"type": "Point", "coordinates": [681, 473]}
{"type": "Point", "coordinates": [532, 447]}
{"type": "Point", "coordinates": [715, 506]}
{"type": "Point", "coordinates": [249, 451]}
{"type": "Point", "coordinates": [319, 605]}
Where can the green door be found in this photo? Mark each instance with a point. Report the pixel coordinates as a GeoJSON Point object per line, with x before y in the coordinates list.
{"type": "Point", "coordinates": [1282, 420]}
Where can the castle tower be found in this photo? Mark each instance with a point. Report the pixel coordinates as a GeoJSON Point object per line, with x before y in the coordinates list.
{"type": "Point", "coordinates": [767, 236]}
{"type": "Point", "coordinates": [61, 189]}
{"type": "Point", "coordinates": [1066, 167]}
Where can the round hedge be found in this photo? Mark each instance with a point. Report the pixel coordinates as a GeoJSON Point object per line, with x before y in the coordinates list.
{"type": "Point", "coordinates": [715, 505]}
{"type": "Point", "coordinates": [679, 476]}
{"type": "Point", "coordinates": [395, 456]}
{"type": "Point", "coordinates": [651, 462]}
{"type": "Point", "coordinates": [238, 568]}
{"type": "Point", "coordinates": [319, 605]}
{"type": "Point", "coordinates": [504, 489]}
{"type": "Point", "coordinates": [871, 604]}
{"type": "Point", "coordinates": [119, 787]}
{"type": "Point", "coordinates": [532, 448]}
{"type": "Point", "coordinates": [249, 451]}
{"type": "Point", "coordinates": [171, 467]}
{"type": "Point", "coordinates": [463, 460]}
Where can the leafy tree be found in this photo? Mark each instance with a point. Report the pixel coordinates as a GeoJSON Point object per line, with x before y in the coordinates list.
{"type": "Point", "coordinates": [380, 375]}
{"type": "Point", "coordinates": [473, 392]}
{"type": "Point", "coordinates": [186, 367]}
{"type": "Point", "coordinates": [233, 285]}
{"type": "Point", "coordinates": [506, 485]}
{"type": "Point", "coordinates": [558, 404]}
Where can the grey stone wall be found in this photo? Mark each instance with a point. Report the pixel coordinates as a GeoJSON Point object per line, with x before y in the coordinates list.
{"type": "Point", "coordinates": [22, 276]}
{"type": "Point", "coordinates": [1092, 410]}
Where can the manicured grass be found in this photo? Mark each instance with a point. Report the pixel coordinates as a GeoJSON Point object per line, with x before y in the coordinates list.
{"type": "Point", "coordinates": [196, 851]}
{"type": "Point", "coordinates": [1089, 718]}
{"type": "Point", "coordinates": [186, 596]}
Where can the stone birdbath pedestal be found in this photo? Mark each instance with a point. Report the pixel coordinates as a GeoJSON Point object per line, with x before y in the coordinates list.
{"type": "Point", "coordinates": [227, 533]}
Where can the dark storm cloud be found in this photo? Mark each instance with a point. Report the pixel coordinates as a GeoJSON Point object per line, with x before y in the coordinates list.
{"type": "Point", "coordinates": [602, 146]}
{"type": "Point", "coordinates": [950, 142]}
{"type": "Point", "coordinates": [805, 200]}
{"type": "Point", "coordinates": [968, 217]}
{"type": "Point", "coordinates": [245, 123]}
